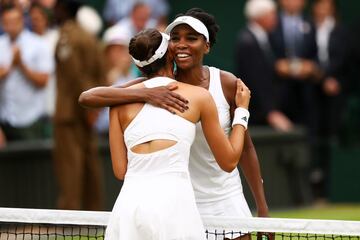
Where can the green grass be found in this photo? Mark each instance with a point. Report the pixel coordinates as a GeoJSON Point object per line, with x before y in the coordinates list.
{"type": "Point", "coordinates": [326, 211]}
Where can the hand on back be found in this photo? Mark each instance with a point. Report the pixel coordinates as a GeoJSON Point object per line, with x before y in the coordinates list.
{"type": "Point", "coordinates": [166, 98]}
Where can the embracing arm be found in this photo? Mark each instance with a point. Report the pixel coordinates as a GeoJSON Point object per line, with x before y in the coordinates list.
{"type": "Point", "coordinates": [109, 96]}
{"type": "Point", "coordinates": [117, 145]}
{"type": "Point", "coordinates": [163, 97]}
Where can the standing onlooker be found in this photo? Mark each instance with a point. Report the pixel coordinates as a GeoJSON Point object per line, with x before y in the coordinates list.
{"type": "Point", "coordinates": [41, 25]}
{"type": "Point", "coordinates": [254, 61]}
{"type": "Point", "coordinates": [25, 66]}
{"type": "Point", "coordinates": [331, 42]}
{"type": "Point", "coordinates": [78, 67]}
{"type": "Point", "coordinates": [294, 45]}
{"type": "Point", "coordinates": [139, 19]}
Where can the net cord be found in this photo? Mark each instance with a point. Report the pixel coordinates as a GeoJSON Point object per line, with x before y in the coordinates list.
{"type": "Point", "coordinates": [71, 217]}
{"type": "Point", "coordinates": [255, 224]}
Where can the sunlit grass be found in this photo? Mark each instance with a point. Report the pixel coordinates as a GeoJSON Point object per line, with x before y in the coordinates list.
{"type": "Point", "coordinates": [325, 211]}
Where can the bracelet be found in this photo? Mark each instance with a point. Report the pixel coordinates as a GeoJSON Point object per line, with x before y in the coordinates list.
{"type": "Point", "coordinates": [241, 117]}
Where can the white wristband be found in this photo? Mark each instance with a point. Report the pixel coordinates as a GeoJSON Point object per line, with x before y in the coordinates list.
{"type": "Point", "coordinates": [241, 117]}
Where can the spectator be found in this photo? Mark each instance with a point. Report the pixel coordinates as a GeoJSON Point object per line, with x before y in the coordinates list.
{"type": "Point", "coordinates": [139, 19]}
{"type": "Point", "coordinates": [294, 45]}
{"type": "Point", "coordinates": [40, 24]}
{"type": "Point", "coordinates": [78, 67]}
{"type": "Point", "coordinates": [23, 5]}
{"type": "Point", "coordinates": [115, 10]}
{"type": "Point", "coordinates": [48, 4]}
{"type": "Point", "coordinates": [119, 67]}
{"type": "Point", "coordinates": [25, 66]}
{"type": "Point", "coordinates": [118, 60]}
{"type": "Point", "coordinates": [254, 64]}
{"type": "Point", "coordinates": [331, 43]}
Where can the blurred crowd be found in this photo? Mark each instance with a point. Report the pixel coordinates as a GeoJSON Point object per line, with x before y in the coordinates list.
{"type": "Point", "coordinates": [51, 51]}
{"type": "Point", "coordinates": [298, 66]}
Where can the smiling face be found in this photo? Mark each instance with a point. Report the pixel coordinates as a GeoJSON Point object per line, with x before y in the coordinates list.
{"type": "Point", "coordinates": [187, 46]}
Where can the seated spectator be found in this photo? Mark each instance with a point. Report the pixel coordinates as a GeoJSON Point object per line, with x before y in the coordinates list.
{"type": "Point", "coordinates": [25, 66]}
{"type": "Point", "coordinates": [119, 67]}
{"type": "Point", "coordinates": [115, 10]}
{"type": "Point", "coordinates": [254, 62]}
{"type": "Point", "coordinates": [119, 64]}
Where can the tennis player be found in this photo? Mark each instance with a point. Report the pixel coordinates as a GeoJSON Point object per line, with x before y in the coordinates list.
{"type": "Point", "coordinates": [150, 149]}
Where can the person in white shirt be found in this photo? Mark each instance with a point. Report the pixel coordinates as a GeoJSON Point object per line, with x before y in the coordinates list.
{"type": "Point", "coordinates": [25, 66]}
{"type": "Point", "coordinates": [41, 25]}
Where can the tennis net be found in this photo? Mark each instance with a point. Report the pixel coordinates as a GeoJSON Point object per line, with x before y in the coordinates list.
{"type": "Point", "coordinates": [41, 224]}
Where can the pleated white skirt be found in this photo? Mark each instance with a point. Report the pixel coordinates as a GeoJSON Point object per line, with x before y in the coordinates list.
{"type": "Point", "coordinates": [160, 207]}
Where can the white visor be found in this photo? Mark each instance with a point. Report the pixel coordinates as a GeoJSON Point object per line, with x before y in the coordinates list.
{"type": "Point", "coordinates": [159, 53]}
{"type": "Point", "coordinates": [196, 24]}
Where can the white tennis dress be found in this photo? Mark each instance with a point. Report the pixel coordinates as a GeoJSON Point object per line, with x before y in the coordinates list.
{"type": "Point", "coordinates": [217, 192]}
{"type": "Point", "coordinates": [157, 201]}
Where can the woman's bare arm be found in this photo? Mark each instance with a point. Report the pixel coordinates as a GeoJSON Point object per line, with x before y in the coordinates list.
{"type": "Point", "coordinates": [117, 145]}
{"type": "Point", "coordinates": [163, 97]}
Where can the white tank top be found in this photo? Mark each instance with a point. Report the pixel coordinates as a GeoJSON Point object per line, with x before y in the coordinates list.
{"type": "Point", "coordinates": [153, 123]}
{"type": "Point", "coordinates": [209, 181]}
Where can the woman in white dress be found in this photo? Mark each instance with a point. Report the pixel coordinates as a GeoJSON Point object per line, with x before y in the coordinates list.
{"type": "Point", "coordinates": [150, 150]}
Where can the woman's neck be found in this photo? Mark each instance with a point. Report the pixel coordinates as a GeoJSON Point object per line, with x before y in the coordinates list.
{"type": "Point", "coordinates": [198, 76]}
{"type": "Point", "coordinates": [165, 72]}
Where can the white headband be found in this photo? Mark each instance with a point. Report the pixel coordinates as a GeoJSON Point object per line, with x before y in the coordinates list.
{"type": "Point", "coordinates": [159, 53]}
{"type": "Point", "coordinates": [196, 24]}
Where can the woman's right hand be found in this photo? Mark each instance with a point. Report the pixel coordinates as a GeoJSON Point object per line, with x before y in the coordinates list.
{"type": "Point", "coordinates": [165, 97]}
{"type": "Point", "coordinates": [242, 97]}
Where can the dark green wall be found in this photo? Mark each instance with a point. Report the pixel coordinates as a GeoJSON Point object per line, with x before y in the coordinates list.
{"type": "Point", "coordinates": [229, 15]}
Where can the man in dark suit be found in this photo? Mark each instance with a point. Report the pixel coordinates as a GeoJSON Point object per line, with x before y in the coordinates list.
{"type": "Point", "coordinates": [294, 45]}
{"type": "Point", "coordinates": [331, 37]}
{"type": "Point", "coordinates": [254, 61]}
